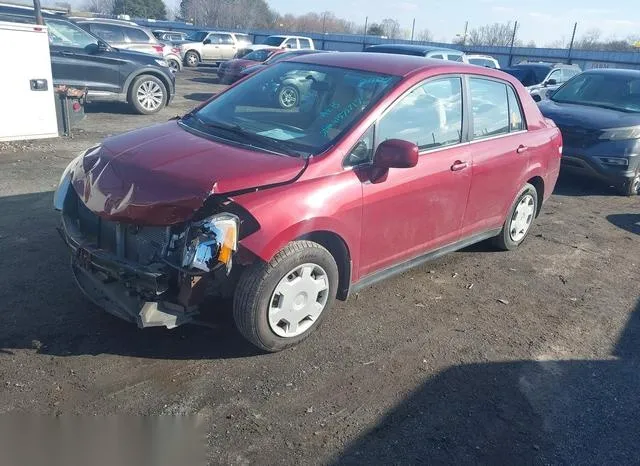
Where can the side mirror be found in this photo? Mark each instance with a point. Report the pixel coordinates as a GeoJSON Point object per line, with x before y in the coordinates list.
{"type": "Point", "coordinates": [393, 153]}
{"type": "Point", "coordinates": [206, 41]}
{"type": "Point", "coordinates": [551, 82]}
{"type": "Point", "coordinates": [103, 47]}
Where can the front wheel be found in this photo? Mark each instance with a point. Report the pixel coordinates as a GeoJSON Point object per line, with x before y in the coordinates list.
{"type": "Point", "coordinates": [280, 303]}
{"type": "Point", "coordinates": [519, 220]}
{"type": "Point", "coordinates": [631, 187]}
{"type": "Point", "coordinates": [147, 94]}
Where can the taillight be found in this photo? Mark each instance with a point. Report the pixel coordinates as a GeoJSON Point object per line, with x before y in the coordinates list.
{"type": "Point", "coordinates": [159, 48]}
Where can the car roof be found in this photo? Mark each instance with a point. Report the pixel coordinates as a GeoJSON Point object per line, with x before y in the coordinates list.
{"type": "Point", "coordinates": [615, 71]}
{"type": "Point", "coordinates": [397, 65]}
{"type": "Point", "coordinates": [116, 22]}
{"type": "Point", "coordinates": [27, 11]}
{"type": "Point", "coordinates": [413, 48]}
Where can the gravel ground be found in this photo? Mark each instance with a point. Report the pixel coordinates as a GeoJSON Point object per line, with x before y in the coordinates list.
{"type": "Point", "coordinates": [527, 357]}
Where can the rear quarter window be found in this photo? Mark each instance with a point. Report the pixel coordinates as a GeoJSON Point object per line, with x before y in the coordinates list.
{"type": "Point", "coordinates": [137, 35]}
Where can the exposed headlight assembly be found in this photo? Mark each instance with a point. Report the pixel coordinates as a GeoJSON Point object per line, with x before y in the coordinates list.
{"type": "Point", "coordinates": [211, 243]}
{"type": "Point", "coordinates": [619, 134]}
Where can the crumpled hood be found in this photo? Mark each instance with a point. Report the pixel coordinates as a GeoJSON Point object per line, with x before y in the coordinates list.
{"type": "Point", "coordinates": [162, 174]}
{"type": "Point", "coordinates": [586, 116]}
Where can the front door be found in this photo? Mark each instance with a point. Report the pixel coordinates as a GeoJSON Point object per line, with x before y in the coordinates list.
{"type": "Point", "coordinates": [417, 210]}
{"type": "Point", "coordinates": [76, 60]}
{"type": "Point", "coordinates": [501, 149]}
{"type": "Point", "coordinates": [212, 47]}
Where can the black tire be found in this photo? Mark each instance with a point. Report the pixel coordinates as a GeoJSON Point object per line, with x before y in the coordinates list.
{"type": "Point", "coordinates": [631, 187]}
{"type": "Point", "coordinates": [504, 240]}
{"type": "Point", "coordinates": [258, 283]}
{"type": "Point", "coordinates": [191, 59]}
{"type": "Point", "coordinates": [174, 65]}
{"type": "Point", "coordinates": [288, 97]}
{"type": "Point", "coordinates": [147, 80]}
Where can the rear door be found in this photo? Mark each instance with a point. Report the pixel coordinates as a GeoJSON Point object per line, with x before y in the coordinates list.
{"type": "Point", "coordinates": [228, 47]}
{"type": "Point", "coordinates": [419, 209]}
{"type": "Point", "coordinates": [501, 146]}
{"type": "Point", "coordinates": [140, 41]}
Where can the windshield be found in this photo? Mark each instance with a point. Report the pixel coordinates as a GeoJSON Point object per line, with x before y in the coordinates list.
{"type": "Point", "coordinates": [600, 90]}
{"type": "Point", "coordinates": [274, 41]}
{"type": "Point", "coordinates": [297, 109]}
{"type": "Point", "coordinates": [66, 34]}
{"type": "Point", "coordinates": [528, 76]}
{"type": "Point", "coordinates": [258, 55]}
{"type": "Point", "coordinates": [198, 36]}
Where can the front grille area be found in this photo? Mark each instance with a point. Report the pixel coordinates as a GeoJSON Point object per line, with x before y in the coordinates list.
{"type": "Point", "coordinates": [142, 245]}
{"type": "Point", "coordinates": [577, 137]}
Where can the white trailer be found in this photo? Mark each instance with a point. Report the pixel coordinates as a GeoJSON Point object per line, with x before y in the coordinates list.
{"type": "Point", "coordinates": [27, 105]}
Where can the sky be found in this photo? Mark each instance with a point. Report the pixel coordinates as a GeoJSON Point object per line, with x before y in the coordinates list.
{"type": "Point", "coordinates": [542, 21]}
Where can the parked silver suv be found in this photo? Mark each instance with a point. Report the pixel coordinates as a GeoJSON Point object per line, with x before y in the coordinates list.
{"type": "Point", "coordinates": [122, 34]}
{"type": "Point", "coordinates": [211, 46]}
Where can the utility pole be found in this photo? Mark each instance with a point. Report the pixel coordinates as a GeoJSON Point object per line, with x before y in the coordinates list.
{"type": "Point", "coordinates": [413, 29]}
{"type": "Point", "coordinates": [466, 29]}
{"type": "Point", "coordinates": [364, 38]}
{"type": "Point", "coordinates": [513, 40]}
{"type": "Point", "coordinates": [324, 23]}
{"type": "Point", "coordinates": [37, 10]}
{"type": "Point", "coordinates": [573, 38]}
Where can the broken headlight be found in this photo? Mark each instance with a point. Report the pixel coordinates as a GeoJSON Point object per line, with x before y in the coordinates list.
{"type": "Point", "coordinates": [65, 180]}
{"type": "Point", "coordinates": [211, 243]}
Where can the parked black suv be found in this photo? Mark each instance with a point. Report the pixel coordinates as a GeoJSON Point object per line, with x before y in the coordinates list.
{"type": "Point", "coordinates": [81, 59]}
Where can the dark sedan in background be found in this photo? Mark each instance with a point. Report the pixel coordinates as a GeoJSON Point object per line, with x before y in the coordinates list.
{"type": "Point", "coordinates": [231, 71]}
{"type": "Point", "coordinates": [275, 58]}
{"type": "Point", "coordinates": [598, 113]}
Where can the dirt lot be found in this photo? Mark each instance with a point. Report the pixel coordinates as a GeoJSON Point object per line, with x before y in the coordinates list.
{"type": "Point", "coordinates": [530, 357]}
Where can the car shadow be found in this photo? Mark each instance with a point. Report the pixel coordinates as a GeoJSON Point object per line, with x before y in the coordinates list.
{"type": "Point", "coordinates": [572, 185]}
{"type": "Point", "coordinates": [523, 412]}
{"type": "Point", "coordinates": [628, 222]}
{"type": "Point", "coordinates": [212, 80]}
{"type": "Point", "coordinates": [109, 107]}
{"type": "Point", "coordinates": [200, 96]}
{"type": "Point", "coordinates": [42, 308]}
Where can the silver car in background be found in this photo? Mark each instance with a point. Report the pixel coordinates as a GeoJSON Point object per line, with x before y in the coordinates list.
{"type": "Point", "coordinates": [211, 46]}
{"type": "Point", "coordinates": [123, 34]}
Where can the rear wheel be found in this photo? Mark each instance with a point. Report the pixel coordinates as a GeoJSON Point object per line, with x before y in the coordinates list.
{"type": "Point", "coordinates": [191, 59]}
{"type": "Point", "coordinates": [288, 96]}
{"type": "Point", "coordinates": [174, 65]}
{"type": "Point", "coordinates": [518, 223]}
{"type": "Point", "coordinates": [147, 94]}
{"type": "Point", "coordinates": [279, 304]}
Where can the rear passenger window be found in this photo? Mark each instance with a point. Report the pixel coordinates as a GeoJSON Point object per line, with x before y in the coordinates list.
{"type": "Point", "coordinates": [490, 108]}
{"type": "Point", "coordinates": [108, 32]}
{"type": "Point", "coordinates": [136, 35]}
{"type": "Point", "coordinates": [304, 43]}
{"type": "Point", "coordinates": [516, 120]}
{"type": "Point", "coordinates": [429, 116]}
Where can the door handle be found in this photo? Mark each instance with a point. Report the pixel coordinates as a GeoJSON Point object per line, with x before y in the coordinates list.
{"type": "Point", "coordinates": [458, 165]}
{"type": "Point", "coordinates": [38, 84]}
{"type": "Point", "coordinates": [522, 149]}
{"type": "Point", "coordinates": [66, 54]}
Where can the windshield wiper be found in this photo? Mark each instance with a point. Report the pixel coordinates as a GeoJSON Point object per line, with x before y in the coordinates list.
{"type": "Point", "coordinates": [257, 141]}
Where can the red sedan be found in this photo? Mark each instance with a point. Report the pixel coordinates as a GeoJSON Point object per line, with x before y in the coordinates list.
{"type": "Point", "coordinates": [230, 71]}
{"type": "Point", "coordinates": [388, 161]}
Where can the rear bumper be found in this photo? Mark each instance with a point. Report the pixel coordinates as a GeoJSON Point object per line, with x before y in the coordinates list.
{"type": "Point", "coordinates": [132, 292]}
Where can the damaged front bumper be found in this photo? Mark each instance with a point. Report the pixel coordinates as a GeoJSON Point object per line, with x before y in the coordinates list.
{"type": "Point", "coordinates": [145, 295]}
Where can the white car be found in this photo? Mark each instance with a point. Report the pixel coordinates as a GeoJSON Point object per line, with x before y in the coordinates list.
{"type": "Point", "coordinates": [286, 42]}
{"type": "Point", "coordinates": [482, 60]}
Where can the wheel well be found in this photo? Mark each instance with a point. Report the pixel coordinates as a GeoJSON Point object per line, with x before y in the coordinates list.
{"type": "Point", "coordinates": [340, 252]}
{"type": "Point", "coordinates": [538, 183]}
{"type": "Point", "coordinates": [166, 83]}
